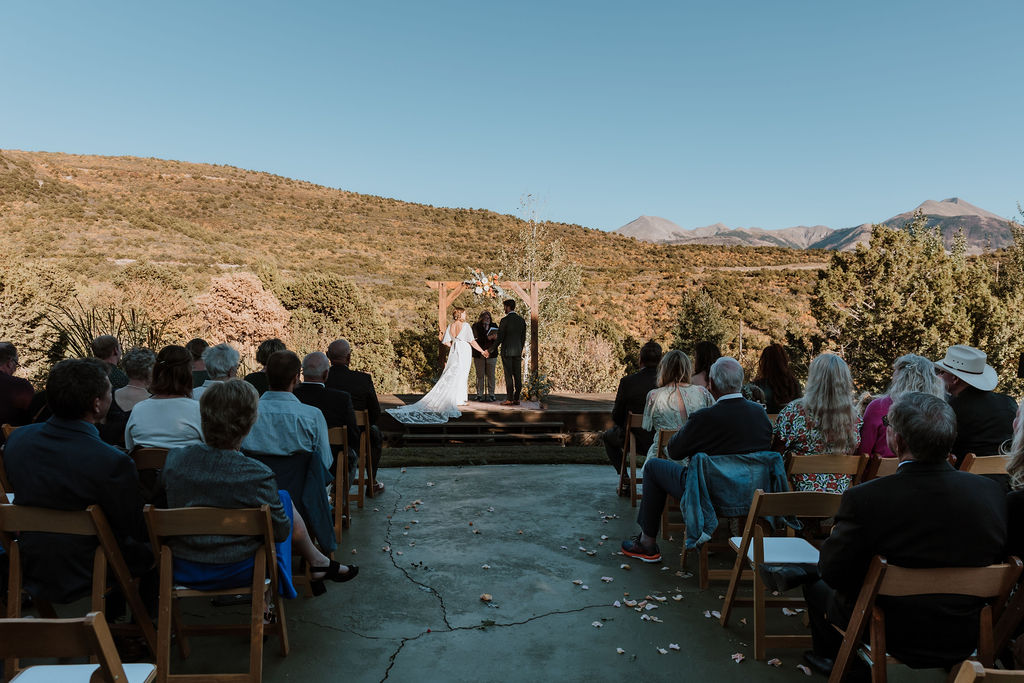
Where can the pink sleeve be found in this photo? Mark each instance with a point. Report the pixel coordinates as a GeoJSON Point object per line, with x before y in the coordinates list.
{"type": "Point", "coordinates": [872, 431]}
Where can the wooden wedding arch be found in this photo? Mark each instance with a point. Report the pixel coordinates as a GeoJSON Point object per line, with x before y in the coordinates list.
{"type": "Point", "coordinates": [449, 290]}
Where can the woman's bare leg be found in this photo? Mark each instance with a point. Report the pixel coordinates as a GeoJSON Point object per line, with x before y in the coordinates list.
{"type": "Point", "coordinates": [302, 544]}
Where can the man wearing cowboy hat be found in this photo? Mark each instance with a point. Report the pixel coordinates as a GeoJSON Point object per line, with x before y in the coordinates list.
{"type": "Point", "coordinates": [984, 419]}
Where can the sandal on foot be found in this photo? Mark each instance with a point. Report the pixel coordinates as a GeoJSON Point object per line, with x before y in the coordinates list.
{"type": "Point", "coordinates": [332, 572]}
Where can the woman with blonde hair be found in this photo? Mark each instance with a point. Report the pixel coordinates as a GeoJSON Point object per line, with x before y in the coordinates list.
{"type": "Point", "coordinates": [442, 402]}
{"type": "Point", "coordinates": [825, 420]}
{"type": "Point", "coordinates": [909, 373]}
{"type": "Point", "coordinates": [669, 406]}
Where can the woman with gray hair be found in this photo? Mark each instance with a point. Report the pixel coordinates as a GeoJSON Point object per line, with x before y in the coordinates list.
{"type": "Point", "coordinates": [825, 420]}
{"type": "Point", "coordinates": [138, 365]}
{"type": "Point", "coordinates": [217, 474]}
{"type": "Point", "coordinates": [909, 373]}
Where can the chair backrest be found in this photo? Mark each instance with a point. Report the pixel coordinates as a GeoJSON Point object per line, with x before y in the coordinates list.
{"type": "Point", "coordinates": [773, 417]}
{"type": "Point", "coordinates": [664, 436]}
{"type": "Point", "coordinates": [337, 436]}
{"type": "Point", "coordinates": [149, 458]}
{"type": "Point", "coordinates": [794, 503]}
{"type": "Point", "coordinates": [634, 420]}
{"type": "Point", "coordinates": [4, 481]}
{"type": "Point", "coordinates": [993, 581]}
{"type": "Point", "coordinates": [7, 429]}
{"type": "Point", "coordinates": [881, 467]}
{"type": "Point", "coordinates": [86, 636]}
{"type": "Point", "coordinates": [970, 671]}
{"type": "Point", "coordinates": [852, 465]}
{"type": "Point", "coordinates": [362, 418]}
{"type": "Point", "coordinates": [207, 521]}
{"type": "Point", "coordinates": [986, 464]}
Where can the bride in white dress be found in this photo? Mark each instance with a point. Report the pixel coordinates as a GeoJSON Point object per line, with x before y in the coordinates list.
{"type": "Point", "coordinates": [442, 402]}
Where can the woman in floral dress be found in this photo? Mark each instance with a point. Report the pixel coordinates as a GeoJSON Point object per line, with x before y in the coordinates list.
{"type": "Point", "coordinates": [825, 420]}
{"type": "Point", "coordinates": [671, 403]}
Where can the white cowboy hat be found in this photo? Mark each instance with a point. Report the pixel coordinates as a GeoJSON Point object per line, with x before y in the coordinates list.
{"type": "Point", "coordinates": [968, 364]}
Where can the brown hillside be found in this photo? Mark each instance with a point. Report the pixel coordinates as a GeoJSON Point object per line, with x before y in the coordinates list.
{"type": "Point", "coordinates": [94, 214]}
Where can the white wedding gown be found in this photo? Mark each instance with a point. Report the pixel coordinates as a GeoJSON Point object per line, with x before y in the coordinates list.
{"type": "Point", "coordinates": [442, 402]}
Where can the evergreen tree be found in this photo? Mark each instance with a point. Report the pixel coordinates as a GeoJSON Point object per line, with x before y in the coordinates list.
{"type": "Point", "coordinates": [701, 318]}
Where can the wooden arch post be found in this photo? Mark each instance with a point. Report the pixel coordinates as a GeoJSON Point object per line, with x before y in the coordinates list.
{"type": "Point", "coordinates": [449, 290]}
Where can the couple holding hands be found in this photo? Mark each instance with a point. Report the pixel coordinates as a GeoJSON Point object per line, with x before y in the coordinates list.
{"type": "Point", "coordinates": [466, 342]}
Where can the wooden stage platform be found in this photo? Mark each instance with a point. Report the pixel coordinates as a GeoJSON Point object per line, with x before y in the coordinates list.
{"type": "Point", "coordinates": [567, 417]}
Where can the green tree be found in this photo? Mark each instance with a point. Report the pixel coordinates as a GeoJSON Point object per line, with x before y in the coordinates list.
{"type": "Point", "coordinates": [701, 318]}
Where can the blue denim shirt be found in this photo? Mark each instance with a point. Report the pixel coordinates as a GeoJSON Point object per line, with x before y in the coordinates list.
{"type": "Point", "coordinates": [725, 485]}
{"type": "Point", "coordinates": [286, 425]}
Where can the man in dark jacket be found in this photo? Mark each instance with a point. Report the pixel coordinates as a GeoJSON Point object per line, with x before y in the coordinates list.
{"type": "Point", "coordinates": [359, 386]}
{"type": "Point", "coordinates": [62, 464]}
{"type": "Point", "coordinates": [335, 404]}
{"type": "Point", "coordinates": [510, 343]}
{"type": "Point", "coordinates": [630, 397]}
{"type": "Point", "coordinates": [926, 515]}
{"type": "Point", "coordinates": [16, 393]}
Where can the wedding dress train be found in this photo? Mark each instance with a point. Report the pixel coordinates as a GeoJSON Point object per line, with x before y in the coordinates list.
{"type": "Point", "coordinates": [442, 402]}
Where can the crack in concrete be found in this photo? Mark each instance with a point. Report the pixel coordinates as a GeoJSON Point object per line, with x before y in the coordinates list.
{"type": "Point", "coordinates": [483, 626]}
{"type": "Point", "coordinates": [332, 627]}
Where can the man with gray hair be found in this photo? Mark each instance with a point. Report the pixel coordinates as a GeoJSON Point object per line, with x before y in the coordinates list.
{"type": "Point", "coordinates": [732, 426]}
{"type": "Point", "coordinates": [335, 404]}
{"type": "Point", "coordinates": [926, 515]}
{"type": "Point", "coordinates": [360, 387]}
{"type": "Point", "coordinates": [221, 363]}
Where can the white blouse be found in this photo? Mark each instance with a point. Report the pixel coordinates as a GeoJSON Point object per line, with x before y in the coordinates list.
{"type": "Point", "coordinates": [164, 423]}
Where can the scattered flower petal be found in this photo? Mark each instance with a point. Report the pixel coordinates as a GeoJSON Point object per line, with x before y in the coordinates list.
{"type": "Point", "coordinates": [775, 661]}
{"type": "Point", "coordinates": [738, 657]}
{"type": "Point", "coordinates": [490, 509]}
{"type": "Point", "coordinates": [743, 621]}
{"type": "Point", "coordinates": [716, 614]}
{"type": "Point", "coordinates": [660, 598]}
{"type": "Point", "coordinates": [624, 566]}
{"type": "Point", "coordinates": [354, 551]}
{"type": "Point", "coordinates": [630, 603]}
{"type": "Point", "coordinates": [604, 537]}
{"type": "Point", "coordinates": [649, 606]}
{"type": "Point", "coordinates": [403, 470]}
{"type": "Point", "coordinates": [582, 549]}
{"type": "Point", "coordinates": [596, 624]}
{"type": "Point", "coordinates": [645, 617]}
{"type": "Point", "coordinates": [707, 614]}
{"type": "Point", "coordinates": [616, 604]}
{"type": "Point", "coordinates": [430, 483]}
{"type": "Point", "coordinates": [791, 612]}
{"type": "Point", "coordinates": [486, 597]}
{"type": "Point", "coordinates": [577, 582]}
{"type": "Point", "coordinates": [563, 547]}
{"type": "Point", "coordinates": [520, 532]}
{"type": "Point", "coordinates": [677, 598]}
{"type": "Point", "coordinates": [591, 553]}
{"type": "Point", "coordinates": [398, 552]}
{"type": "Point", "coordinates": [620, 651]}
{"type": "Point", "coordinates": [807, 671]}
{"type": "Point", "coordinates": [476, 531]}
{"type": "Point", "coordinates": [664, 569]}
{"type": "Point", "coordinates": [585, 587]}
{"type": "Point", "coordinates": [486, 566]}
{"type": "Point", "coordinates": [662, 651]}
{"type": "Point", "coordinates": [673, 646]}
{"type": "Point", "coordinates": [607, 579]}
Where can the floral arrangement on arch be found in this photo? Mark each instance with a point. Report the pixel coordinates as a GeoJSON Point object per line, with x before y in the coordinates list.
{"type": "Point", "coordinates": [484, 284]}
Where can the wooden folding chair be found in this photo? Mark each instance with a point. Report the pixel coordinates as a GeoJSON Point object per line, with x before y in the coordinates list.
{"type": "Point", "coordinates": [671, 517]}
{"type": "Point", "coordinates": [17, 519]}
{"type": "Point", "coordinates": [985, 464]}
{"type": "Point", "coordinates": [629, 484]}
{"type": "Point", "coordinates": [754, 549]}
{"type": "Point", "coordinates": [366, 482]}
{"type": "Point", "coordinates": [880, 467]}
{"type": "Point", "coordinates": [970, 671]}
{"type": "Point", "coordinates": [148, 458]}
{"type": "Point", "coordinates": [204, 521]}
{"type": "Point", "coordinates": [88, 636]}
{"type": "Point", "coordinates": [338, 437]}
{"type": "Point", "coordinates": [991, 583]}
{"type": "Point", "coordinates": [7, 430]}
{"type": "Point", "coordinates": [850, 465]}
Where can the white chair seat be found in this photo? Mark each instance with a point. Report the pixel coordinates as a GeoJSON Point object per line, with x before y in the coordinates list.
{"type": "Point", "coordinates": [80, 673]}
{"type": "Point", "coordinates": [781, 550]}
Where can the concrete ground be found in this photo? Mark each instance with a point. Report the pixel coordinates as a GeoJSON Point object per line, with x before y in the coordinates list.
{"type": "Point", "coordinates": [441, 537]}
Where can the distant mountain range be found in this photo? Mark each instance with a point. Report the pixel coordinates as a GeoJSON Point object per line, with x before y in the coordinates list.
{"type": "Point", "coordinates": [983, 229]}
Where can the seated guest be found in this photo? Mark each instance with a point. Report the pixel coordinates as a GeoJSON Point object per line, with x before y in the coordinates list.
{"type": "Point", "coordinates": [776, 378]}
{"type": "Point", "coordinates": [62, 464]}
{"type": "Point", "coordinates": [259, 378]}
{"type": "Point", "coordinates": [671, 403]}
{"type": "Point", "coordinates": [1015, 499]}
{"type": "Point", "coordinates": [221, 363]}
{"type": "Point", "coordinates": [359, 386]}
{"type": "Point", "coordinates": [631, 397]}
{"type": "Point", "coordinates": [196, 347]}
{"type": "Point", "coordinates": [138, 365]}
{"type": "Point", "coordinates": [285, 425]}
{"type": "Point", "coordinates": [925, 515]}
{"type": "Point", "coordinates": [705, 353]}
{"type": "Point", "coordinates": [984, 419]}
{"type": "Point", "coordinates": [216, 474]}
{"type": "Point", "coordinates": [15, 392]}
{"type": "Point", "coordinates": [825, 420]}
{"type": "Point", "coordinates": [170, 418]}
{"type": "Point", "coordinates": [108, 349]}
{"type": "Point", "coordinates": [335, 404]}
{"type": "Point", "coordinates": [909, 373]}
{"type": "Point", "coordinates": [732, 426]}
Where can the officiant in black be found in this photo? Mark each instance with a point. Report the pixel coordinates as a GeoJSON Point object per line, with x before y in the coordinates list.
{"type": "Point", "coordinates": [485, 332]}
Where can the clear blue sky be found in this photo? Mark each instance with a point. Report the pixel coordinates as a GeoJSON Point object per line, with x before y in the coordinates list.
{"type": "Point", "coordinates": [750, 113]}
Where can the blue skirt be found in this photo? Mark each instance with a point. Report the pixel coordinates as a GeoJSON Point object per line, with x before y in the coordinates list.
{"type": "Point", "coordinates": [207, 576]}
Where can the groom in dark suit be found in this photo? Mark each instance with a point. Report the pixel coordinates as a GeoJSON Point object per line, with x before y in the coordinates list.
{"type": "Point", "coordinates": [511, 340]}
